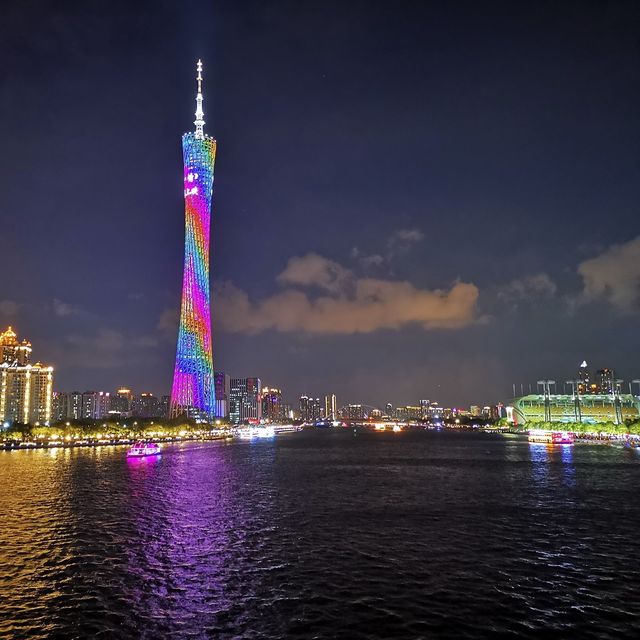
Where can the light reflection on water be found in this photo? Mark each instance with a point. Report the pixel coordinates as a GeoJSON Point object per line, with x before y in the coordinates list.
{"type": "Point", "coordinates": [321, 534]}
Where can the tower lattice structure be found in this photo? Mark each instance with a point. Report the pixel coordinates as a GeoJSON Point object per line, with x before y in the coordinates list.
{"type": "Point", "coordinates": [193, 392]}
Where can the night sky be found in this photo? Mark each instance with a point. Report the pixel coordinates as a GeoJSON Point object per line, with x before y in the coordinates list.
{"type": "Point", "coordinates": [411, 200]}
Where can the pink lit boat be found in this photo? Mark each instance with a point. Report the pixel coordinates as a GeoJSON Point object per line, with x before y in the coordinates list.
{"type": "Point", "coordinates": [551, 437]}
{"type": "Point", "coordinates": [141, 449]}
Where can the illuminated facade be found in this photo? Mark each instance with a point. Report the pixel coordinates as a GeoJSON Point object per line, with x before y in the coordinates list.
{"type": "Point", "coordinates": [95, 405]}
{"type": "Point", "coordinates": [12, 351]}
{"type": "Point", "coordinates": [272, 404]}
{"type": "Point", "coordinates": [245, 401]}
{"type": "Point", "coordinates": [193, 392]}
{"type": "Point", "coordinates": [330, 407]}
{"type": "Point", "coordinates": [222, 390]}
{"type": "Point", "coordinates": [310, 409]}
{"type": "Point", "coordinates": [26, 393]}
{"type": "Point", "coordinates": [121, 402]}
{"type": "Point", "coordinates": [589, 408]}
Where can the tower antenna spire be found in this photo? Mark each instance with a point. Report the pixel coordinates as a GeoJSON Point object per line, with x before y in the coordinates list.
{"type": "Point", "coordinates": [199, 121]}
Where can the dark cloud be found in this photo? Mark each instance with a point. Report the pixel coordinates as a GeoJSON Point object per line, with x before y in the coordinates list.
{"type": "Point", "coordinates": [614, 276]}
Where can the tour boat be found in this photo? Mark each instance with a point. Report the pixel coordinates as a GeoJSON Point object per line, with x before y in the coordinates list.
{"type": "Point", "coordinates": [551, 437]}
{"type": "Point", "coordinates": [141, 449]}
{"type": "Point", "coordinates": [254, 431]}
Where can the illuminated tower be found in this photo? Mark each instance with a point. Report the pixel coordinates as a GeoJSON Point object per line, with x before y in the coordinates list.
{"type": "Point", "coordinates": [192, 393]}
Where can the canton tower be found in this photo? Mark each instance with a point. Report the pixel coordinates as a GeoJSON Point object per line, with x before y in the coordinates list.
{"type": "Point", "coordinates": [192, 393]}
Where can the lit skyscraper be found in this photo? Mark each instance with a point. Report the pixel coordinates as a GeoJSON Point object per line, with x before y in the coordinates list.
{"type": "Point", "coordinates": [26, 391]}
{"type": "Point", "coordinates": [272, 404]}
{"type": "Point", "coordinates": [245, 399]}
{"type": "Point", "coordinates": [222, 389]}
{"type": "Point", "coordinates": [330, 407]}
{"type": "Point", "coordinates": [193, 384]}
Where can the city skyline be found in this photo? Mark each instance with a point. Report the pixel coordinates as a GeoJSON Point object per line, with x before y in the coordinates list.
{"type": "Point", "coordinates": [423, 233]}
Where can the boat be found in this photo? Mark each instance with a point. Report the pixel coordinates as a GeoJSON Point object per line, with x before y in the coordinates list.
{"type": "Point", "coordinates": [562, 437]}
{"type": "Point", "coordinates": [141, 449]}
{"type": "Point", "coordinates": [254, 431]}
{"type": "Point", "coordinates": [551, 437]}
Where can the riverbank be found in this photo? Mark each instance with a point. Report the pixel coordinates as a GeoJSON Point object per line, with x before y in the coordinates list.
{"type": "Point", "coordinates": [64, 443]}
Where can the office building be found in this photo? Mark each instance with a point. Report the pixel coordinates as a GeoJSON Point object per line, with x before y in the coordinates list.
{"type": "Point", "coordinates": [272, 408]}
{"type": "Point", "coordinates": [121, 402]}
{"type": "Point", "coordinates": [222, 386]}
{"type": "Point", "coordinates": [310, 409]}
{"type": "Point", "coordinates": [146, 405]}
{"type": "Point", "coordinates": [245, 400]}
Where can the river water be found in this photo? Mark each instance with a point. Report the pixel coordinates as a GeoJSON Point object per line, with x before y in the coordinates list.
{"type": "Point", "coordinates": [322, 534]}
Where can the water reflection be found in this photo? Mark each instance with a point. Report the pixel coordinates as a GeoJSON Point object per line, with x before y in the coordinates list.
{"type": "Point", "coordinates": [195, 524]}
{"type": "Point", "coordinates": [552, 462]}
{"type": "Point", "coordinates": [321, 535]}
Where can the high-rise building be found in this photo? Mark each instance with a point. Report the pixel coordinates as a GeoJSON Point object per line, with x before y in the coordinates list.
{"type": "Point", "coordinates": [355, 412]}
{"type": "Point", "coordinates": [304, 408]}
{"type": "Point", "coordinates": [244, 399]}
{"type": "Point", "coordinates": [146, 405]}
{"type": "Point", "coordinates": [58, 406]}
{"type": "Point", "coordinates": [585, 384]}
{"type": "Point", "coordinates": [330, 407]}
{"type": "Point", "coordinates": [414, 413]}
{"type": "Point", "coordinates": [165, 405]}
{"type": "Point", "coordinates": [90, 405]}
{"type": "Point", "coordinates": [95, 405]}
{"type": "Point", "coordinates": [12, 351]}
{"type": "Point", "coordinates": [121, 402]}
{"type": "Point", "coordinates": [74, 405]}
{"type": "Point", "coordinates": [606, 381]}
{"type": "Point", "coordinates": [26, 391]}
{"type": "Point", "coordinates": [222, 390]}
{"type": "Point", "coordinates": [424, 409]}
{"type": "Point", "coordinates": [310, 409]}
{"type": "Point", "coordinates": [388, 409]}
{"type": "Point", "coordinates": [193, 390]}
{"type": "Point", "coordinates": [272, 404]}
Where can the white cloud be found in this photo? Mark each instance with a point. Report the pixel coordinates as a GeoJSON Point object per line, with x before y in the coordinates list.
{"type": "Point", "coordinates": [314, 270]}
{"type": "Point", "coordinates": [399, 242]}
{"type": "Point", "coordinates": [407, 236]}
{"type": "Point", "coordinates": [63, 309]}
{"type": "Point", "coordinates": [402, 240]}
{"type": "Point", "coordinates": [614, 276]}
{"type": "Point", "coordinates": [531, 287]}
{"type": "Point", "coordinates": [349, 304]}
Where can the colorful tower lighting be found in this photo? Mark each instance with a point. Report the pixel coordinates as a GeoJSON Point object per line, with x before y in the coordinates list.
{"type": "Point", "coordinates": [193, 392]}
